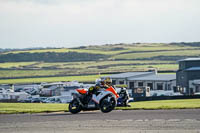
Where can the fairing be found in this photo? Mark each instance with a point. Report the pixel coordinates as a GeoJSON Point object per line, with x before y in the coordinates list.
{"type": "Point", "coordinates": [81, 91]}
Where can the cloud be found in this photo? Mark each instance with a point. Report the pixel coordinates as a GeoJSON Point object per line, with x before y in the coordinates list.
{"type": "Point", "coordinates": [83, 22]}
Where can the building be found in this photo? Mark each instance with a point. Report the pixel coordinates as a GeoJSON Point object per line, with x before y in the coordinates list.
{"type": "Point", "coordinates": [155, 82]}
{"type": "Point", "coordinates": [154, 85]}
{"type": "Point", "coordinates": [187, 75]}
{"type": "Point", "coordinates": [123, 78]}
{"type": "Point", "coordinates": [138, 80]}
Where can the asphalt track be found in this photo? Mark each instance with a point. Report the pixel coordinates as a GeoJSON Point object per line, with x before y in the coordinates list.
{"type": "Point", "coordinates": [139, 121]}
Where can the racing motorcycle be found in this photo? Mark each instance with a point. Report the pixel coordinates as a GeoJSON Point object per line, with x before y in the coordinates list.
{"type": "Point", "coordinates": [104, 99]}
{"type": "Point", "coordinates": [123, 99]}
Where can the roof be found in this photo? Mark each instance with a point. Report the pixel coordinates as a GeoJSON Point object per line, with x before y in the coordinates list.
{"type": "Point", "coordinates": [190, 59]}
{"type": "Point", "coordinates": [127, 75]}
{"type": "Point", "coordinates": [193, 69]}
{"type": "Point", "coordinates": [158, 77]}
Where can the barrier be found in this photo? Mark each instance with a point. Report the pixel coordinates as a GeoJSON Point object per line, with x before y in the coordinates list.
{"type": "Point", "coordinates": [165, 98]}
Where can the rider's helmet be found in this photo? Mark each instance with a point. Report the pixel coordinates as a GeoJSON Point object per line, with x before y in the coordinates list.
{"type": "Point", "coordinates": [100, 82]}
{"type": "Point", "coordinates": [104, 82]}
{"type": "Point", "coordinates": [123, 88]}
{"type": "Point", "coordinates": [108, 81]}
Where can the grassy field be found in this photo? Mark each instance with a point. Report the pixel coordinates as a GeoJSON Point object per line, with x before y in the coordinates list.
{"type": "Point", "coordinates": [165, 104]}
{"type": "Point", "coordinates": [89, 70]}
{"type": "Point", "coordinates": [108, 49]}
{"type": "Point", "coordinates": [155, 54]}
{"type": "Point", "coordinates": [119, 58]}
{"type": "Point", "coordinates": [74, 65]}
{"type": "Point", "coordinates": [24, 73]}
{"type": "Point", "coordinates": [63, 50]}
{"type": "Point", "coordinates": [162, 67]}
{"type": "Point", "coordinates": [15, 64]}
{"type": "Point", "coordinates": [80, 68]}
{"type": "Point", "coordinates": [88, 78]}
{"type": "Point", "coordinates": [7, 108]}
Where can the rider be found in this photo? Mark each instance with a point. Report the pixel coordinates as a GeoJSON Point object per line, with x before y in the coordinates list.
{"type": "Point", "coordinates": [102, 83]}
{"type": "Point", "coordinates": [125, 96]}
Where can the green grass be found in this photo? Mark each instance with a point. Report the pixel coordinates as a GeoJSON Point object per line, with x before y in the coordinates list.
{"type": "Point", "coordinates": [127, 54]}
{"type": "Point", "coordinates": [158, 48]}
{"type": "Point", "coordinates": [72, 65]}
{"type": "Point", "coordinates": [23, 73]}
{"type": "Point", "coordinates": [8, 108]}
{"type": "Point", "coordinates": [63, 50]}
{"type": "Point", "coordinates": [154, 54]}
{"type": "Point", "coordinates": [89, 67]}
{"type": "Point", "coordinates": [85, 78]}
{"type": "Point", "coordinates": [106, 49]}
{"type": "Point", "coordinates": [165, 104]}
{"type": "Point", "coordinates": [161, 67]}
{"type": "Point", "coordinates": [15, 64]}
{"type": "Point", "coordinates": [89, 78]}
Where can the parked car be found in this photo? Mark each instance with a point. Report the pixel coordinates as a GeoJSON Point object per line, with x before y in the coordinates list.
{"type": "Point", "coordinates": [35, 100]}
{"type": "Point", "coordinates": [28, 100]}
{"type": "Point", "coordinates": [42, 99]}
{"type": "Point", "coordinates": [30, 90]}
{"type": "Point", "coordinates": [52, 100]}
{"type": "Point", "coordinates": [18, 89]}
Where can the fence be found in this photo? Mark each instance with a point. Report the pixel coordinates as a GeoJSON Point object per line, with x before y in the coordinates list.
{"type": "Point", "coordinates": [165, 98]}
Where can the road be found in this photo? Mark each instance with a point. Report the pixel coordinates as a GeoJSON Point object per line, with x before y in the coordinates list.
{"type": "Point", "coordinates": [130, 121]}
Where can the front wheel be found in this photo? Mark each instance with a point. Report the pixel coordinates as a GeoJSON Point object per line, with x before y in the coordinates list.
{"type": "Point", "coordinates": [74, 106]}
{"type": "Point", "coordinates": [107, 106]}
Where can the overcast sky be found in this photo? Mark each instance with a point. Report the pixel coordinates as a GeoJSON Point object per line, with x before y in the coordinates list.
{"type": "Point", "coordinates": [70, 23]}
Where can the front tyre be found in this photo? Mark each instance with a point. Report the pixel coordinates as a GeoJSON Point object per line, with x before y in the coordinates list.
{"type": "Point", "coordinates": [74, 107]}
{"type": "Point", "coordinates": [107, 106]}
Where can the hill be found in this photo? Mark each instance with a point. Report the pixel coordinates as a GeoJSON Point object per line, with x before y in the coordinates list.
{"type": "Point", "coordinates": [84, 60]}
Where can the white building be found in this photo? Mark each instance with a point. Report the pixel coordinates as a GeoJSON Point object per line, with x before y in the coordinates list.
{"type": "Point", "coordinates": [123, 78]}
{"type": "Point", "coordinates": [161, 84]}
{"type": "Point", "coordinates": [155, 81]}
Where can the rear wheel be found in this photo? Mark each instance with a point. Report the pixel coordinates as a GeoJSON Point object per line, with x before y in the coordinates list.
{"type": "Point", "coordinates": [107, 106]}
{"type": "Point", "coordinates": [74, 107]}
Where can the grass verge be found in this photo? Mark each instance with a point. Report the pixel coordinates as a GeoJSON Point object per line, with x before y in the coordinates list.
{"type": "Point", "coordinates": [164, 104]}
{"type": "Point", "coordinates": [11, 108]}
{"type": "Point", "coordinates": [87, 78]}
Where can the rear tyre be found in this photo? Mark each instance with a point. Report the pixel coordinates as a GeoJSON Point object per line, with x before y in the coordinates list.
{"type": "Point", "coordinates": [107, 106]}
{"type": "Point", "coordinates": [74, 107]}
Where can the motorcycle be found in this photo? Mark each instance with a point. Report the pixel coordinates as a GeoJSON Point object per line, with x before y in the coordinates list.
{"type": "Point", "coordinates": [123, 99]}
{"type": "Point", "coordinates": [104, 99]}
